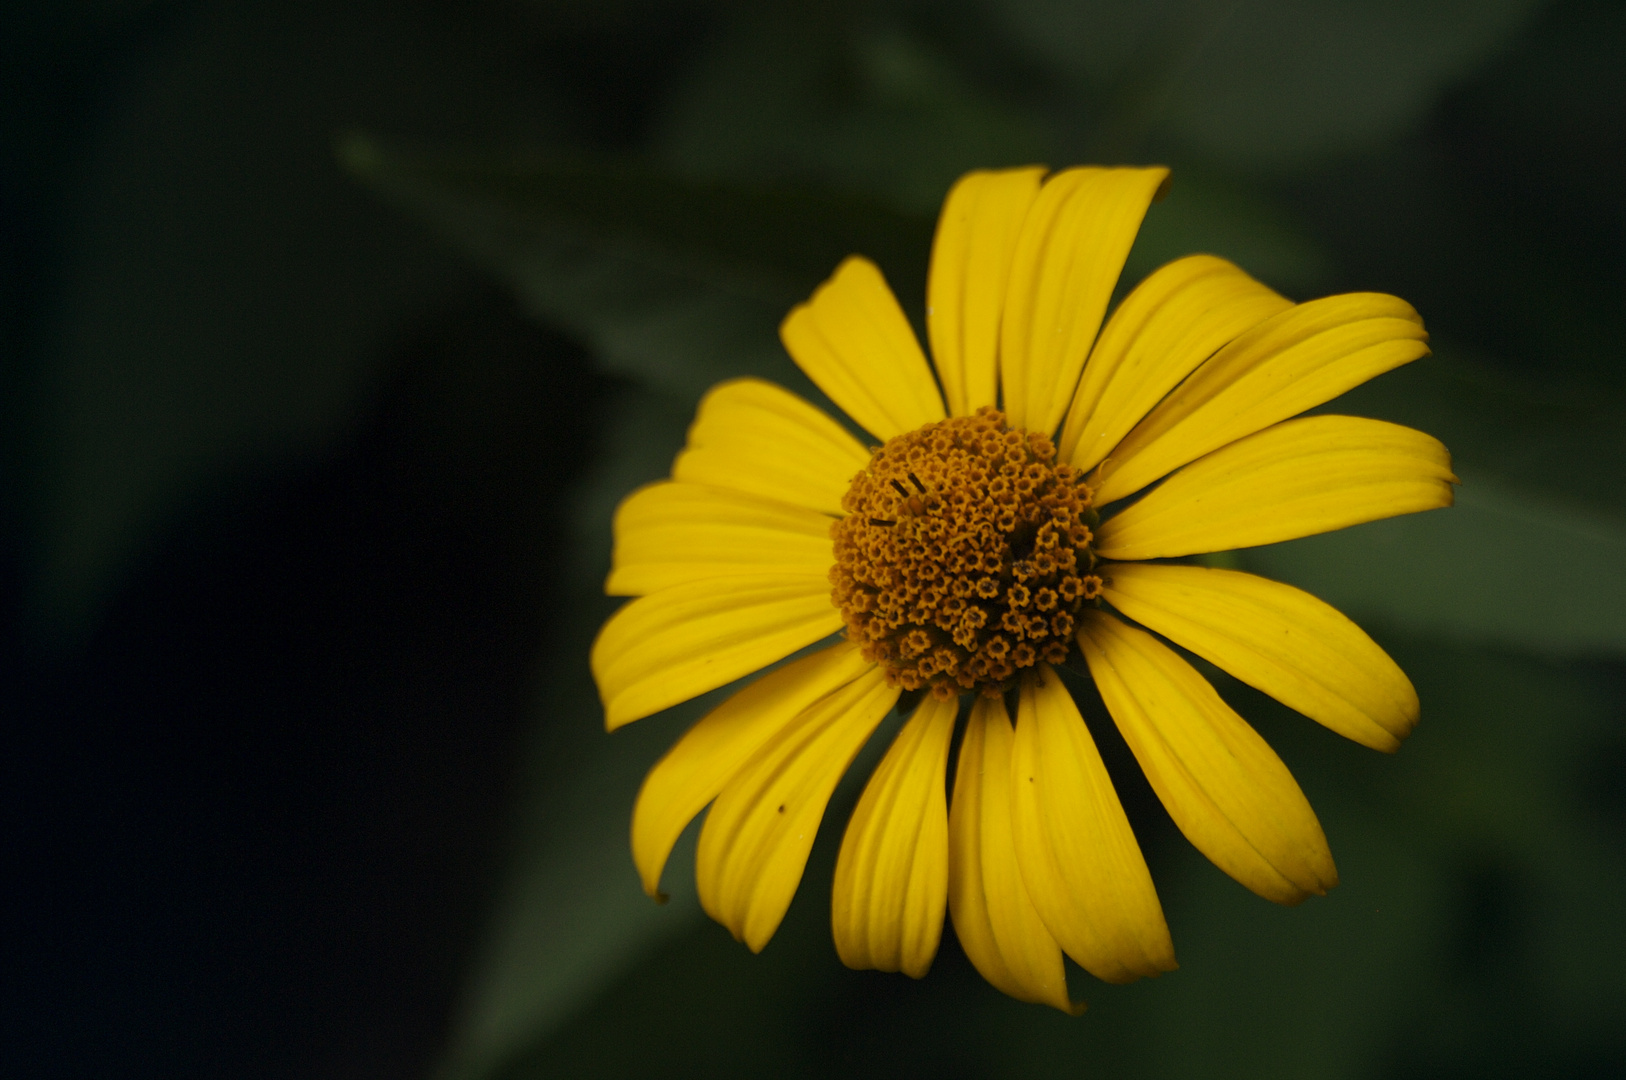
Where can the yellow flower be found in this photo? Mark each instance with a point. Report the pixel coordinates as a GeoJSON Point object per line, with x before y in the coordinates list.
{"type": "Point", "coordinates": [969, 553]}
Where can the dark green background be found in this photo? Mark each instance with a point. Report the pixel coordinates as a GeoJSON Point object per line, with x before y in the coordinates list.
{"type": "Point", "coordinates": [332, 332]}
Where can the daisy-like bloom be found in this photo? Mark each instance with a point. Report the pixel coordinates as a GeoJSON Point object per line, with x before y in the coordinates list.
{"type": "Point", "coordinates": [1019, 510]}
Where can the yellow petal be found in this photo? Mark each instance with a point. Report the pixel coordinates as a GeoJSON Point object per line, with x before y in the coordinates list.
{"type": "Point", "coordinates": [1079, 860]}
{"type": "Point", "coordinates": [671, 645]}
{"type": "Point", "coordinates": [891, 881]}
{"type": "Point", "coordinates": [694, 771]}
{"type": "Point", "coordinates": [965, 291]}
{"type": "Point", "coordinates": [1173, 321]}
{"type": "Point", "coordinates": [1278, 639]}
{"type": "Point", "coordinates": [997, 924]}
{"type": "Point", "coordinates": [1295, 479]}
{"type": "Point", "coordinates": [855, 343]}
{"type": "Point", "coordinates": [1072, 247]}
{"type": "Point", "coordinates": [668, 533]}
{"type": "Point", "coordinates": [1223, 786]}
{"type": "Point", "coordinates": [752, 436]}
{"type": "Point", "coordinates": [1308, 354]}
{"type": "Point", "coordinates": [754, 844]}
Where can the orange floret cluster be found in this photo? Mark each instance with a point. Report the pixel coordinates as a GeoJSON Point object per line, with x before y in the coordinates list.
{"type": "Point", "coordinates": [964, 556]}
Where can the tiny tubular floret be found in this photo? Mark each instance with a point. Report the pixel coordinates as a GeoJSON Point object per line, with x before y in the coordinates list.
{"type": "Point", "coordinates": [964, 556]}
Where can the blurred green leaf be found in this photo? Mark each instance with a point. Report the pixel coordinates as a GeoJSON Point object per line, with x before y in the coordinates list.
{"type": "Point", "coordinates": [572, 915]}
{"type": "Point", "coordinates": [215, 300]}
{"type": "Point", "coordinates": [675, 283]}
{"type": "Point", "coordinates": [851, 99]}
{"type": "Point", "coordinates": [1204, 214]}
{"type": "Point", "coordinates": [1260, 84]}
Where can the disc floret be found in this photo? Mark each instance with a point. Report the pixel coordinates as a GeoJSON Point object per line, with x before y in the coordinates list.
{"type": "Point", "coordinates": [964, 556]}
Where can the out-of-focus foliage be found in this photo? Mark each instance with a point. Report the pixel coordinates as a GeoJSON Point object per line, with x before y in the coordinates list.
{"type": "Point", "coordinates": [569, 865]}
{"type": "Point", "coordinates": [858, 103]}
{"type": "Point", "coordinates": [674, 283]}
{"type": "Point", "coordinates": [881, 106]}
{"type": "Point", "coordinates": [174, 367]}
{"type": "Point", "coordinates": [1263, 85]}
{"type": "Point", "coordinates": [727, 155]}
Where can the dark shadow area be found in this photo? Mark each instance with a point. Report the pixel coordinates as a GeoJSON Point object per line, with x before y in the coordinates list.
{"type": "Point", "coordinates": [1501, 217]}
{"type": "Point", "coordinates": [261, 811]}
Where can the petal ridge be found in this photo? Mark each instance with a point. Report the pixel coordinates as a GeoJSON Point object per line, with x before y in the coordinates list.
{"type": "Point", "coordinates": [1079, 860]}
{"type": "Point", "coordinates": [1303, 357]}
{"type": "Point", "coordinates": [1167, 326]}
{"type": "Point", "coordinates": [965, 287]}
{"type": "Point", "coordinates": [755, 842]}
{"type": "Point", "coordinates": [670, 532]}
{"type": "Point", "coordinates": [754, 437]}
{"type": "Point", "coordinates": [853, 340]}
{"type": "Point", "coordinates": [1280, 640]}
{"type": "Point", "coordinates": [697, 767]}
{"type": "Point", "coordinates": [677, 643]}
{"type": "Point", "coordinates": [1298, 478]}
{"type": "Point", "coordinates": [1225, 788]}
{"type": "Point", "coordinates": [995, 920]}
{"type": "Point", "coordinates": [891, 879]}
{"type": "Point", "coordinates": [1071, 250]}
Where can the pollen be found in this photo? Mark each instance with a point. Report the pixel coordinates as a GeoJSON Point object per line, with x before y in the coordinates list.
{"type": "Point", "coordinates": [964, 556]}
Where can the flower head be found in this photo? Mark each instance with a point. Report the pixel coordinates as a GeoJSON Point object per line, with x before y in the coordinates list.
{"type": "Point", "coordinates": [1008, 520]}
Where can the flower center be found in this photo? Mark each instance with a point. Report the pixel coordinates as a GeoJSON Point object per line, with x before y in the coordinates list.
{"type": "Point", "coordinates": [964, 556]}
